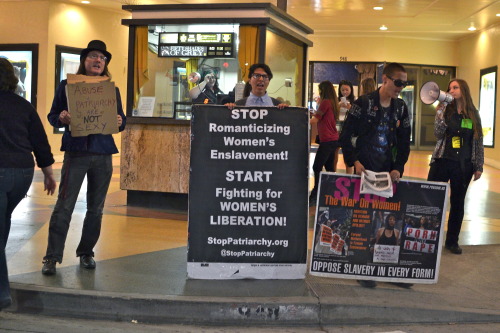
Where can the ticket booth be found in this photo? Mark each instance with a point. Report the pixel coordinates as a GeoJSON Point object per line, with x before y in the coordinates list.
{"type": "Point", "coordinates": [172, 49]}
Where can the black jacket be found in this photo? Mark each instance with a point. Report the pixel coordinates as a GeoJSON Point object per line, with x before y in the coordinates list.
{"type": "Point", "coordinates": [361, 123]}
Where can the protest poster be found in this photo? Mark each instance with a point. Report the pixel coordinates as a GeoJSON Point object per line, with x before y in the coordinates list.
{"type": "Point", "coordinates": [369, 237]}
{"type": "Point", "coordinates": [248, 205]}
{"type": "Point", "coordinates": [92, 105]}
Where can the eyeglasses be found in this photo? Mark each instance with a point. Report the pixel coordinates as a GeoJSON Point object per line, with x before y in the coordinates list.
{"type": "Point", "coordinates": [260, 76]}
{"type": "Point", "coordinates": [398, 82]}
{"type": "Point", "coordinates": [95, 56]}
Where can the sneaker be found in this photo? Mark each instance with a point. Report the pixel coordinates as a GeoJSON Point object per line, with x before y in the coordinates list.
{"type": "Point", "coordinates": [49, 267]}
{"type": "Point", "coordinates": [86, 261]}
{"type": "Point", "coordinates": [367, 283]}
{"type": "Point", "coordinates": [455, 249]}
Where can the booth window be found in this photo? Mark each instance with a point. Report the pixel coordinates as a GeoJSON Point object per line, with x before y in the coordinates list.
{"type": "Point", "coordinates": [170, 60]}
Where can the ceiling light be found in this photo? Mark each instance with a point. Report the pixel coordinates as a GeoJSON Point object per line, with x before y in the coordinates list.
{"type": "Point", "coordinates": [498, 14]}
{"type": "Point", "coordinates": [383, 27]}
{"type": "Point", "coordinates": [472, 27]}
{"type": "Point", "coordinates": [378, 8]}
{"type": "Point", "coordinates": [86, 2]}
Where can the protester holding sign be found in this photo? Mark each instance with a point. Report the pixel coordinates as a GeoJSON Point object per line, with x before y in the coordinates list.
{"type": "Point", "coordinates": [21, 134]}
{"type": "Point", "coordinates": [381, 124]}
{"type": "Point", "coordinates": [88, 156]}
{"type": "Point", "coordinates": [459, 153]}
{"type": "Point", "coordinates": [259, 77]}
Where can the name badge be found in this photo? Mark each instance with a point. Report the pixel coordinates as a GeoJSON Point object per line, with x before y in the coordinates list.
{"type": "Point", "coordinates": [467, 123]}
{"type": "Point", "coordinates": [455, 142]}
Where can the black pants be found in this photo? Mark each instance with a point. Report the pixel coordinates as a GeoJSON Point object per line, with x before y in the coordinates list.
{"type": "Point", "coordinates": [324, 158]}
{"type": "Point", "coordinates": [459, 176]}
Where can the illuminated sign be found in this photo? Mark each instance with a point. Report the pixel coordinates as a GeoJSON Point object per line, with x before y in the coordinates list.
{"type": "Point", "coordinates": [196, 44]}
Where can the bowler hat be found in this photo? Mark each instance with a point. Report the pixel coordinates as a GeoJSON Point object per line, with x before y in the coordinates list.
{"type": "Point", "coordinates": [95, 45]}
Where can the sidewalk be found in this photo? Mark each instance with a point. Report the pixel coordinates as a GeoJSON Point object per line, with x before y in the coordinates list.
{"type": "Point", "coordinates": [153, 288]}
{"type": "Point", "coordinates": [141, 272]}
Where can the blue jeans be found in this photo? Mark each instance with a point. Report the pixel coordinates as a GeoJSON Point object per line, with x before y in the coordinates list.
{"type": "Point", "coordinates": [14, 184]}
{"type": "Point", "coordinates": [98, 169]}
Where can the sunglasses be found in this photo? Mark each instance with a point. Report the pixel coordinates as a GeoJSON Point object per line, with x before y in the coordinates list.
{"type": "Point", "coordinates": [398, 83]}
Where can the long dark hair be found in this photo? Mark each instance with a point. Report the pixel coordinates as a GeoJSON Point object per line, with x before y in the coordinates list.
{"type": "Point", "coordinates": [8, 79]}
{"type": "Point", "coordinates": [215, 87]}
{"type": "Point", "coordinates": [469, 110]}
{"type": "Point", "coordinates": [81, 68]}
{"type": "Point", "coordinates": [367, 86]}
{"type": "Point", "coordinates": [327, 92]}
{"type": "Point", "coordinates": [349, 98]}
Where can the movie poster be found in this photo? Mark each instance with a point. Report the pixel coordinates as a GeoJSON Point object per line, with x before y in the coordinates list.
{"type": "Point", "coordinates": [367, 237]}
{"type": "Point", "coordinates": [248, 205]}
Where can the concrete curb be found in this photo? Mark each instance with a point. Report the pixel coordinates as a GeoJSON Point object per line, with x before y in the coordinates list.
{"type": "Point", "coordinates": [265, 311]}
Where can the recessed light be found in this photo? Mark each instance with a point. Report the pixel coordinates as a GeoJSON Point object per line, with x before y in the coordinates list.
{"type": "Point", "coordinates": [378, 8]}
{"type": "Point", "coordinates": [472, 27]}
{"type": "Point", "coordinates": [86, 2]}
{"type": "Point", "coordinates": [383, 27]}
{"type": "Point", "coordinates": [498, 14]}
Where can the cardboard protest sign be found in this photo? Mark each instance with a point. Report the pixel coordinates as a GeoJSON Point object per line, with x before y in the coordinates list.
{"type": "Point", "coordinates": [369, 237]}
{"type": "Point", "coordinates": [248, 206]}
{"type": "Point", "coordinates": [92, 105]}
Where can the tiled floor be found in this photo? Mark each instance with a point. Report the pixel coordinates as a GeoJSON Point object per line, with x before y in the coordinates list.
{"type": "Point", "coordinates": [131, 231]}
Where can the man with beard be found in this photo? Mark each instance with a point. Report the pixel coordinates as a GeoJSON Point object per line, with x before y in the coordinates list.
{"type": "Point", "coordinates": [259, 77]}
{"type": "Point", "coordinates": [376, 133]}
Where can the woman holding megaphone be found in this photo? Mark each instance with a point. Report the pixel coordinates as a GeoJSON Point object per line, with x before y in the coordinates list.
{"type": "Point", "coordinates": [459, 153]}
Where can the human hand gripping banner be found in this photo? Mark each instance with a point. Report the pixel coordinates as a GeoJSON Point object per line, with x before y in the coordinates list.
{"type": "Point", "coordinates": [365, 236]}
{"type": "Point", "coordinates": [248, 207]}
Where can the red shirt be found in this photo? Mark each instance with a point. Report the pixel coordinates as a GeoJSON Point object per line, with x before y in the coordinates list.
{"type": "Point", "coordinates": [327, 126]}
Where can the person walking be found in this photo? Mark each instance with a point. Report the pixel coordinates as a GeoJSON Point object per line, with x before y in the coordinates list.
{"type": "Point", "coordinates": [21, 134]}
{"type": "Point", "coordinates": [326, 117]}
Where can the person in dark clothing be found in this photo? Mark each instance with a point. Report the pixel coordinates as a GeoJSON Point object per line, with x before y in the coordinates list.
{"type": "Point", "coordinates": [459, 154]}
{"type": "Point", "coordinates": [380, 124]}
{"type": "Point", "coordinates": [376, 133]}
{"type": "Point", "coordinates": [206, 92]}
{"type": "Point", "coordinates": [21, 134]}
{"type": "Point", "coordinates": [84, 157]}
